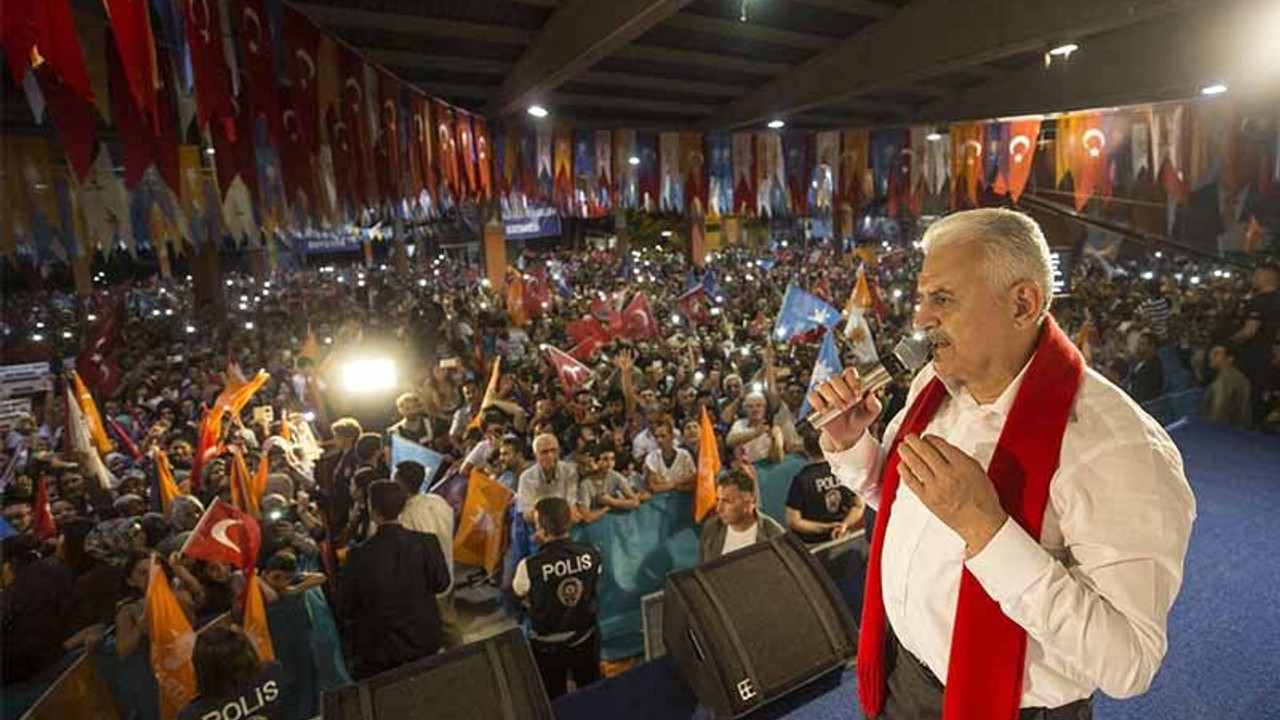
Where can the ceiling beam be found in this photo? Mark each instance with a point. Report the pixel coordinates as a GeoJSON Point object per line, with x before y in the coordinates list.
{"type": "Point", "coordinates": [553, 4]}
{"type": "Point", "coordinates": [673, 56]}
{"type": "Point", "coordinates": [749, 31]}
{"type": "Point", "coordinates": [449, 90]}
{"type": "Point", "coordinates": [577, 36]}
{"type": "Point", "coordinates": [345, 17]}
{"type": "Point", "coordinates": [1122, 69]}
{"type": "Point", "coordinates": [422, 61]}
{"type": "Point", "coordinates": [875, 107]}
{"type": "Point", "coordinates": [840, 121]}
{"type": "Point", "coordinates": [945, 36]}
{"type": "Point", "coordinates": [864, 8]}
{"type": "Point", "coordinates": [617, 102]}
{"type": "Point", "coordinates": [645, 82]}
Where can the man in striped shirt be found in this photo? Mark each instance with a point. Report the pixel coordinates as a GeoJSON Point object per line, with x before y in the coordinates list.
{"type": "Point", "coordinates": [1154, 312]}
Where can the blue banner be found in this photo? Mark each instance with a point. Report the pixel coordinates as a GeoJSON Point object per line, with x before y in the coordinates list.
{"type": "Point", "coordinates": [535, 222]}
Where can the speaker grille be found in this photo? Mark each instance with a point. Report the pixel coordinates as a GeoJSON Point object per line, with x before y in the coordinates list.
{"type": "Point", "coordinates": [779, 643]}
{"type": "Point", "coordinates": [457, 691]}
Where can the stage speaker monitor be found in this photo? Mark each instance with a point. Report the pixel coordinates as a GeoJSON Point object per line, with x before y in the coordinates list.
{"type": "Point", "coordinates": [752, 626]}
{"type": "Point", "coordinates": [496, 678]}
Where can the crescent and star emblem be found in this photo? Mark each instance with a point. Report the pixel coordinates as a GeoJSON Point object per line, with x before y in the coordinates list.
{"type": "Point", "coordinates": [310, 74]}
{"type": "Point", "coordinates": [219, 534]}
{"type": "Point", "coordinates": [977, 151]}
{"type": "Point", "coordinates": [255, 39]}
{"type": "Point", "coordinates": [203, 31]}
{"type": "Point", "coordinates": [1094, 134]}
{"type": "Point", "coordinates": [1019, 141]}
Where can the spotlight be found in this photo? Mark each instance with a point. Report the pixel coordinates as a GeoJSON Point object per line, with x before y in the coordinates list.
{"type": "Point", "coordinates": [66, 334]}
{"type": "Point", "coordinates": [248, 325]}
{"type": "Point", "coordinates": [1064, 50]}
{"type": "Point", "coordinates": [37, 337]}
{"type": "Point", "coordinates": [666, 233]}
{"type": "Point", "coordinates": [370, 374]}
{"type": "Point", "coordinates": [633, 160]}
{"type": "Point", "coordinates": [40, 325]}
{"type": "Point", "coordinates": [777, 124]}
{"type": "Point", "coordinates": [191, 329]}
{"type": "Point", "coordinates": [538, 111]}
{"type": "Point", "coordinates": [91, 317]}
{"type": "Point", "coordinates": [1215, 89]}
{"type": "Point", "coordinates": [934, 136]}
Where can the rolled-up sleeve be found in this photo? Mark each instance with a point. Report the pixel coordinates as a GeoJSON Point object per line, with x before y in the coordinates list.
{"type": "Point", "coordinates": [1125, 513]}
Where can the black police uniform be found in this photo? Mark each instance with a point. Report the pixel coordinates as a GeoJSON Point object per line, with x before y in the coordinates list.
{"type": "Point", "coordinates": [820, 497]}
{"type": "Point", "coordinates": [562, 611]}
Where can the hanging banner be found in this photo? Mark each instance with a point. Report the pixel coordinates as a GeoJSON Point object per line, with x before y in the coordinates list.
{"type": "Point", "coordinates": [744, 173]}
{"type": "Point", "coordinates": [855, 178]}
{"type": "Point", "coordinates": [562, 157]}
{"type": "Point", "coordinates": [584, 163]}
{"type": "Point", "coordinates": [1016, 156]}
{"type": "Point", "coordinates": [797, 146]}
{"type": "Point", "coordinates": [720, 174]}
{"type": "Point", "coordinates": [484, 163]}
{"type": "Point", "coordinates": [627, 174]}
{"type": "Point", "coordinates": [604, 170]}
{"type": "Point", "coordinates": [671, 194]}
{"type": "Point", "coordinates": [693, 169]}
{"type": "Point", "coordinates": [826, 171]}
{"type": "Point", "coordinates": [649, 180]}
{"type": "Point", "coordinates": [966, 163]}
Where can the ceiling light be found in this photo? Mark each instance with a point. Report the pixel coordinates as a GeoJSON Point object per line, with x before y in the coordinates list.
{"type": "Point", "coordinates": [1064, 50]}
{"type": "Point", "coordinates": [538, 111]}
{"type": "Point", "coordinates": [633, 160]}
{"type": "Point", "coordinates": [776, 124]}
{"type": "Point", "coordinates": [934, 136]}
{"type": "Point", "coordinates": [1215, 89]}
{"type": "Point", "coordinates": [666, 233]}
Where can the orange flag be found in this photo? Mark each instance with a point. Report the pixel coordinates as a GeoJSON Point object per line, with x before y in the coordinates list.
{"type": "Point", "coordinates": [489, 392]}
{"type": "Point", "coordinates": [482, 531]}
{"type": "Point", "coordinates": [966, 162]}
{"type": "Point", "coordinates": [255, 619]}
{"type": "Point", "coordinates": [172, 641]}
{"type": "Point", "coordinates": [241, 484]}
{"type": "Point", "coordinates": [258, 483]}
{"type": "Point", "coordinates": [704, 496]}
{"type": "Point", "coordinates": [168, 486]}
{"type": "Point", "coordinates": [97, 431]}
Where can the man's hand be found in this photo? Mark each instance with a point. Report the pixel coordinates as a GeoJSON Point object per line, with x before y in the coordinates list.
{"type": "Point", "coordinates": [954, 487]}
{"type": "Point", "coordinates": [839, 530]}
{"type": "Point", "coordinates": [625, 360]}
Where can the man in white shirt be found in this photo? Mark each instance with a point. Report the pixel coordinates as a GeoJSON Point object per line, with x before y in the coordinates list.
{"type": "Point", "coordinates": [669, 467]}
{"type": "Point", "coordinates": [549, 477]}
{"type": "Point", "coordinates": [1091, 595]}
{"type": "Point", "coordinates": [426, 512]}
{"type": "Point", "coordinates": [758, 438]}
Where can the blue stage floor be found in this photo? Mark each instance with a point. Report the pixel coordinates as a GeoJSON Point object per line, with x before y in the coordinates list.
{"type": "Point", "coordinates": [1224, 632]}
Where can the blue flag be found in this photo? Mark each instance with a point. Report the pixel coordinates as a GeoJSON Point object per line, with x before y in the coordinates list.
{"type": "Point", "coordinates": [402, 449]}
{"type": "Point", "coordinates": [827, 365]}
{"type": "Point", "coordinates": [6, 530]}
{"type": "Point", "coordinates": [711, 286]}
{"type": "Point", "coordinates": [802, 312]}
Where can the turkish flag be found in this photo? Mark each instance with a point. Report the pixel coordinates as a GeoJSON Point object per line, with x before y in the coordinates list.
{"type": "Point", "coordinates": [637, 318]}
{"type": "Point", "coordinates": [587, 348]}
{"type": "Point", "coordinates": [253, 30]}
{"type": "Point", "coordinates": [387, 153]}
{"type": "Point", "coordinates": [131, 24]}
{"type": "Point", "coordinates": [295, 154]}
{"type": "Point", "coordinates": [693, 305]}
{"type": "Point", "coordinates": [588, 328]}
{"type": "Point", "coordinates": [73, 120]}
{"type": "Point", "coordinates": [420, 132]}
{"type": "Point", "coordinates": [42, 524]}
{"type": "Point", "coordinates": [1016, 156]}
{"type": "Point", "coordinates": [485, 170]}
{"type": "Point", "coordinates": [46, 28]}
{"type": "Point", "coordinates": [98, 363]}
{"type": "Point", "coordinates": [573, 374]}
{"type": "Point", "coordinates": [302, 46]}
{"type": "Point", "coordinates": [467, 152]}
{"type": "Point", "coordinates": [601, 308]}
{"type": "Point", "coordinates": [344, 160]}
{"type": "Point", "coordinates": [225, 535]}
{"type": "Point", "coordinates": [208, 63]}
{"type": "Point", "coordinates": [351, 70]}
{"type": "Point", "coordinates": [447, 150]}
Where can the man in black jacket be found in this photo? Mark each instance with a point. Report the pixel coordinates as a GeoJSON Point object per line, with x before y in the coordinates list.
{"type": "Point", "coordinates": [559, 583]}
{"type": "Point", "coordinates": [388, 589]}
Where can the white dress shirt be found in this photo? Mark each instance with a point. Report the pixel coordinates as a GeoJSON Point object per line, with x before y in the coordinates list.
{"type": "Point", "coordinates": [430, 513]}
{"type": "Point", "coordinates": [682, 469]}
{"type": "Point", "coordinates": [1094, 593]}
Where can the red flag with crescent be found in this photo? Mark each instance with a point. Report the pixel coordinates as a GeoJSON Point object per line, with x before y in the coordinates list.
{"type": "Point", "coordinates": [1016, 156]}
{"type": "Point", "coordinates": [131, 25]}
{"type": "Point", "coordinates": [225, 534]}
{"type": "Point", "coordinates": [637, 318]}
{"type": "Point", "coordinates": [573, 374]}
{"type": "Point", "coordinates": [208, 63]}
{"type": "Point", "coordinates": [351, 72]}
{"type": "Point", "coordinates": [484, 168]}
{"type": "Point", "coordinates": [388, 150]}
{"type": "Point", "coordinates": [295, 153]}
{"type": "Point", "coordinates": [446, 149]}
{"type": "Point", "coordinates": [302, 47]}
{"type": "Point", "coordinates": [1089, 157]}
{"type": "Point", "coordinates": [253, 31]}
{"type": "Point", "coordinates": [966, 162]}
{"type": "Point", "coordinates": [44, 29]}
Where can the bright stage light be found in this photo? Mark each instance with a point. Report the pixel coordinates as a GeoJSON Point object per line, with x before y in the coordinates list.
{"type": "Point", "coordinates": [777, 124]}
{"type": "Point", "coordinates": [1215, 89]}
{"type": "Point", "coordinates": [538, 111]}
{"type": "Point", "coordinates": [1064, 50]}
{"type": "Point", "coordinates": [91, 317]}
{"type": "Point", "coordinates": [633, 160]}
{"type": "Point", "coordinates": [933, 136]}
{"type": "Point", "coordinates": [369, 374]}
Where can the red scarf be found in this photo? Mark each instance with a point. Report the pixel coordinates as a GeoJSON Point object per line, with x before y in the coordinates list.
{"type": "Point", "coordinates": [988, 650]}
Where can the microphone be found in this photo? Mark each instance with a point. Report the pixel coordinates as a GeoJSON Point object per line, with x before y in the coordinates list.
{"type": "Point", "coordinates": [910, 354]}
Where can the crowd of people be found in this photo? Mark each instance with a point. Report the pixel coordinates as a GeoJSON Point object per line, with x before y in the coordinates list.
{"type": "Point", "coordinates": [334, 514]}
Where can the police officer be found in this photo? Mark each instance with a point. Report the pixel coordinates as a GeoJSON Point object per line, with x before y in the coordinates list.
{"type": "Point", "coordinates": [559, 584]}
{"type": "Point", "coordinates": [819, 506]}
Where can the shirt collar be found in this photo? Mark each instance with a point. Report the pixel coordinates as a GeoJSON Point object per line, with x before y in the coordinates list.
{"type": "Point", "coordinates": [1000, 407]}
